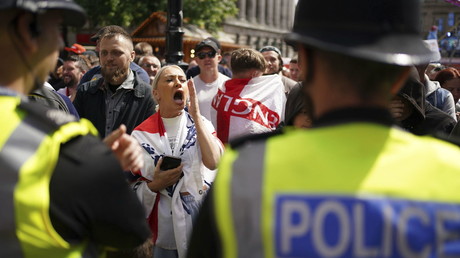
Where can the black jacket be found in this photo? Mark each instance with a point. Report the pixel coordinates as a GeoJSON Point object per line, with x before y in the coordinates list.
{"type": "Point", "coordinates": [49, 98]}
{"type": "Point", "coordinates": [89, 199]}
{"type": "Point", "coordinates": [136, 105]}
{"type": "Point", "coordinates": [425, 118]}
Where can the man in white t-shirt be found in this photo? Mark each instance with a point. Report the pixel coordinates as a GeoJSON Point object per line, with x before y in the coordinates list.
{"type": "Point", "coordinates": [209, 80]}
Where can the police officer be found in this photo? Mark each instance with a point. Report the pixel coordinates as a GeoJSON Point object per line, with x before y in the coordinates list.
{"type": "Point", "coordinates": [354, 185]}
{"type": "Point", "coordinates": [63, 193]}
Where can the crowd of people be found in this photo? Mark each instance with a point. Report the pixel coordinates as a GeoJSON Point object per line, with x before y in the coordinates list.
{"type": "Point", "coordinates": [348, 147]}
{"type": "Point", "coordinates": [417, 110]}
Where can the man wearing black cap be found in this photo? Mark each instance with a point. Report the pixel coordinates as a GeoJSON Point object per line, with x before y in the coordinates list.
{"type": "Point", "coordinates": [194, 71]}
{"type": "Point", "coordinates": [210, 79]}
{"type": "Point", "coordinates": [354, 185]}
{"type": "Point", "coordinates": [275, 66]}
{"type": "Point", "coordinates": [95, 72]}
{"type": "Point", "coordinates": [63, 193]}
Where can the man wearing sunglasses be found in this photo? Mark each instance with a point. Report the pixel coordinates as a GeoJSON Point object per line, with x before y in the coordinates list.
{"type": "Point", "coordinates": [195, 70]}
{"type": "Point", "coordinates": [209, 79]}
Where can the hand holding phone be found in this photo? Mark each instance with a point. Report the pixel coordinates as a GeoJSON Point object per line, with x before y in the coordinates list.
{"type": "Point", "coordinates": [170, 162]}
{"type": "Point", "coordinates": [163, 179]}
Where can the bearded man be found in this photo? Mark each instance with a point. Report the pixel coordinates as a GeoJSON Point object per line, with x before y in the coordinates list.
{"type": "Point", "coordinates": [119, 96]}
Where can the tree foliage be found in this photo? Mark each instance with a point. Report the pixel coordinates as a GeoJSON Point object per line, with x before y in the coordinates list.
{"type": "Point", "coordinates": [207, 14]}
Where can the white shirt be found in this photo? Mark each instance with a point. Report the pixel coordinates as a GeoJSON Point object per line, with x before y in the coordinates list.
{"type": "Point", "coordinates": [205, 92]}
{"type": "Point", "coordinates": [172, 127]}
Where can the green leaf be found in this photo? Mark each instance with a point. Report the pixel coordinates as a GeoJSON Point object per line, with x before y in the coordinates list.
{"type": "Point", "coordinates": [207, 14]}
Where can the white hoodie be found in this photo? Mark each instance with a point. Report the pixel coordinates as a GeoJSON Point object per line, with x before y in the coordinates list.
{"type": "Point", "coordinates": [447, 105]}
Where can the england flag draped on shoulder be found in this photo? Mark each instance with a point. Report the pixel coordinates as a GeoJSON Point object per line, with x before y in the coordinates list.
{"type": "Point", "coordinates": [167, 211]}
{"type": "Point", "coordinates": [248, 106]}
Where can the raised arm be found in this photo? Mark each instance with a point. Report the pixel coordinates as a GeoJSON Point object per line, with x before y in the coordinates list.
{"type": "Point", "coordinates": [210, 150]}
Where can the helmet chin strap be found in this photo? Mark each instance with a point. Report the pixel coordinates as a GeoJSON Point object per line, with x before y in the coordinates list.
{"type": "Point", "coordinates": [308, 77]}
{"type": "Point", "coordinates": [12, 30]}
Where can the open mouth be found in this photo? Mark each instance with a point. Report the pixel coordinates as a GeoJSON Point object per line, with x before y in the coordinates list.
{"type": "Point", "coordinates": [178, 97]}
{"type": "Point", "coordinates": [66, 79]}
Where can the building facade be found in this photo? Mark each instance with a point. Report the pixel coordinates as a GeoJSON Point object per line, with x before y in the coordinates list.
{"type": "Point", "coordinates": [441, 21]}
{"type": "Point", "coordinates": [262, 22]}
{"type": "Point", "coordinates": [440, 13]}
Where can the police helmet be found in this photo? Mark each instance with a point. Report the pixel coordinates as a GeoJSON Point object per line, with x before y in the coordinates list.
{"type": "Point", "coordinates": [386, 31]}
{"type": "Point", "coordinates": [73, 14]}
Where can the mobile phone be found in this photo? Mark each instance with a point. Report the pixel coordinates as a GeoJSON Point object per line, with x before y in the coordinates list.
{"type": "Point", "coordinates": [170, 162]}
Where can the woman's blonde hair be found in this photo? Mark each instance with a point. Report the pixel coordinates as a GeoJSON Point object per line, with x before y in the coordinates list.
{"type": "Point", "coordinates": [159, 73]}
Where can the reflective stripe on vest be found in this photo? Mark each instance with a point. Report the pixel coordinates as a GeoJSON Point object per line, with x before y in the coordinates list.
{"type": "Point", "coordinates": [357, 190]}
{"type": "Point", "coordinates": [27, 160]}
{"type": "Point", "coordinates": [245, 195]}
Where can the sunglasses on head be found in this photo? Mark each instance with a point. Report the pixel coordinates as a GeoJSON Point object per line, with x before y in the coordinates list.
{"type": "Point", "coordinates": [203, 55]}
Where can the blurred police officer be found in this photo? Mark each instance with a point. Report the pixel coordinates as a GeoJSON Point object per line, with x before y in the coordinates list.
{"type": "Point", "coordinates": [63, 193]}
{"type": "Point", "coordinates": [355, 185]}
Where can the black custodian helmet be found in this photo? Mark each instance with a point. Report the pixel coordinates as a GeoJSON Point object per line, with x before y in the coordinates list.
{"type": "Point", "coordinates": [73, 14]}
{"type": "Point", "coordinates": [386, 31]}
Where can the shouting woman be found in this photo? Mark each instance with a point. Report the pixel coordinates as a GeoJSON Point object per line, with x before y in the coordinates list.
{"type": "Point", "coordinates": [172, 193]}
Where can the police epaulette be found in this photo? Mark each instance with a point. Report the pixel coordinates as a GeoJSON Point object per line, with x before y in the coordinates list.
{"type": "Point", "coordinates": [48, 119]}
{"type": "Point", "coordinates": [235, 143]}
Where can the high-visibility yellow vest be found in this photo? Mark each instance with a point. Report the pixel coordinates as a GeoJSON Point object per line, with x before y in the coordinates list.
{"type": "Point", "coordinates": [352, 190]}
{"type": "Point", "coordinates": [30, 140]}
